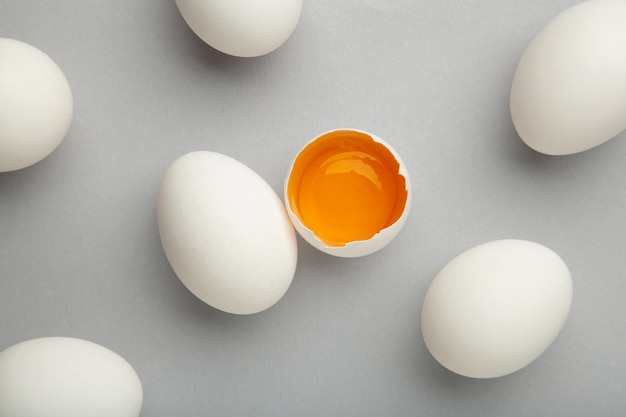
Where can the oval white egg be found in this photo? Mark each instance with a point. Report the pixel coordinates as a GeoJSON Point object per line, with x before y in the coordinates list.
{"type": "Point", "coordinates": [244, 28]}
{"type": "Point", "coordinates": [496, 307]}
{"type": "Point", "coordinates": [569, 91]}
{"type": "Point", "coordinates": [36, 105]}
{"type": "Point", "coordinates": [348, 193]}
{"type": "Point", "coordinates": [225, 233]}
{"type": "Point", "coordinates": [67, 377]}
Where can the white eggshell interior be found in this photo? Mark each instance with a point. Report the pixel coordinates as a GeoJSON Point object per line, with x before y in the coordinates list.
{"type": "Point", "coordinates": [36, 105]}
{"type": "Point", "coordinates": [226, 233]}
{"type": "Point", "coordinates": [67, 377]}
{"type": "Point", "coordinates": [244, 28]}
{"type": "Point", "coordinates": [360, 247]}
{"type": "Point", "coordinates": [568, 93]}
{"type": "Point", "coordinates": [496, 307]}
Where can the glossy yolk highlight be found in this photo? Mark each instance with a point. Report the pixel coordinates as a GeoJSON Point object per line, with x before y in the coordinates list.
{"type": "Point", "coordinates": [347, 191]}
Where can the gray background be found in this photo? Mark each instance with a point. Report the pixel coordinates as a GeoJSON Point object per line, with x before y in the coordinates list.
{"type": "Point", "coordinates": [80, 253]}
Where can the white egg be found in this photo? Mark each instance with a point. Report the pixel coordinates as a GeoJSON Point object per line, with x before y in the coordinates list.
{"type": "Point", "coordinates": [348, 193]}
{"type": "Point", "coordinates": [569, 90]}
{"type": "Point", "coordinates": [225, 233]}
{"type": "Point", "coordinates": [36, 105]}
{"type": "Point", "coordinates": [67, 377]}
{"type": "Point", "coordinates": [244, 28]}
{"type": "Point", "coordinates": [496, 308]}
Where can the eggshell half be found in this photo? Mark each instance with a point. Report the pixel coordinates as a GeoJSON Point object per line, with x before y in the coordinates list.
{"type": "Point", "coordinates": [67, 377]}
{"type": "Point", "coordinates": [496, 307]}
{"type": "Point", "coordinates": [349, 140]}
{"type": "Point", "coordinates": [36, 105]}
{"type": "Point", "coordinates": [569, 90]}
{"type": "Point", "coordinates": [225, 233]}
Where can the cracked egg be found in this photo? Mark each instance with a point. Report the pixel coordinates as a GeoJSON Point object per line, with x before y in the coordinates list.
{"type": "Point", "coordinates": [348, 193]}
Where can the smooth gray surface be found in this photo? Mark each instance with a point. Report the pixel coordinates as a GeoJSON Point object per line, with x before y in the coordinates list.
{"type": "Point", "coordinates": [80, 254]}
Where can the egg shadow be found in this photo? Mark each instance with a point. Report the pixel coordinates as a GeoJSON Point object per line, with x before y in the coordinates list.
{"type": "Point", "coordinates": [433, 377]}
{"type": "Point", "coordinates": [327, 268]}
{"type": "Point", "coordinates": [461, 391]}
{"type": "Point", "coordinates": [192, 312]}
{"type": "Point", "coordinates": [521, 156]}
{"type": "Point", "coordinates": [185, 304]}
{"type": "Point", "coordinates": [13, 179]}
{"type": "Point", "coordinates": [22, 180]}
{"type": "Point", "coordinates": [181, 302]}
{"type": "Point", "coordinates": [188, 46]}
{"type": "Point", "coordinates": [312, 259]}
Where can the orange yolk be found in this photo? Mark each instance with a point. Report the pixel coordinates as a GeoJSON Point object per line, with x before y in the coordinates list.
{"type": "Point", "coordinates": [346, 187]}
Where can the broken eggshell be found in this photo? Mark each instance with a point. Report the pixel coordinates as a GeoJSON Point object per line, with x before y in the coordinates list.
{"type": "Point", "coordinates": [348, 193]}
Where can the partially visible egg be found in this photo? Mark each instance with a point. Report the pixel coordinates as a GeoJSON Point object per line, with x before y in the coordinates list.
{"type": "Point", "coordinates": [36, 105]}
{"type": "Point", "coordinates": [244, 28]}
{"type": "Point", "coordinates": [67, 377]}
{"type": "Point", "coordinates": [225, 233]}
{"type": "Point", "coordinates": [569, 90]}
{"type": "Point", "coordinates": [348, 193]}
{"type": "Point", "coordinates": [496, 307]}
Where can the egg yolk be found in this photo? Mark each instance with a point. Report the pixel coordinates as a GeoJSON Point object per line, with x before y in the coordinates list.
{"type": "Point", "coordinates": [346, 187]}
